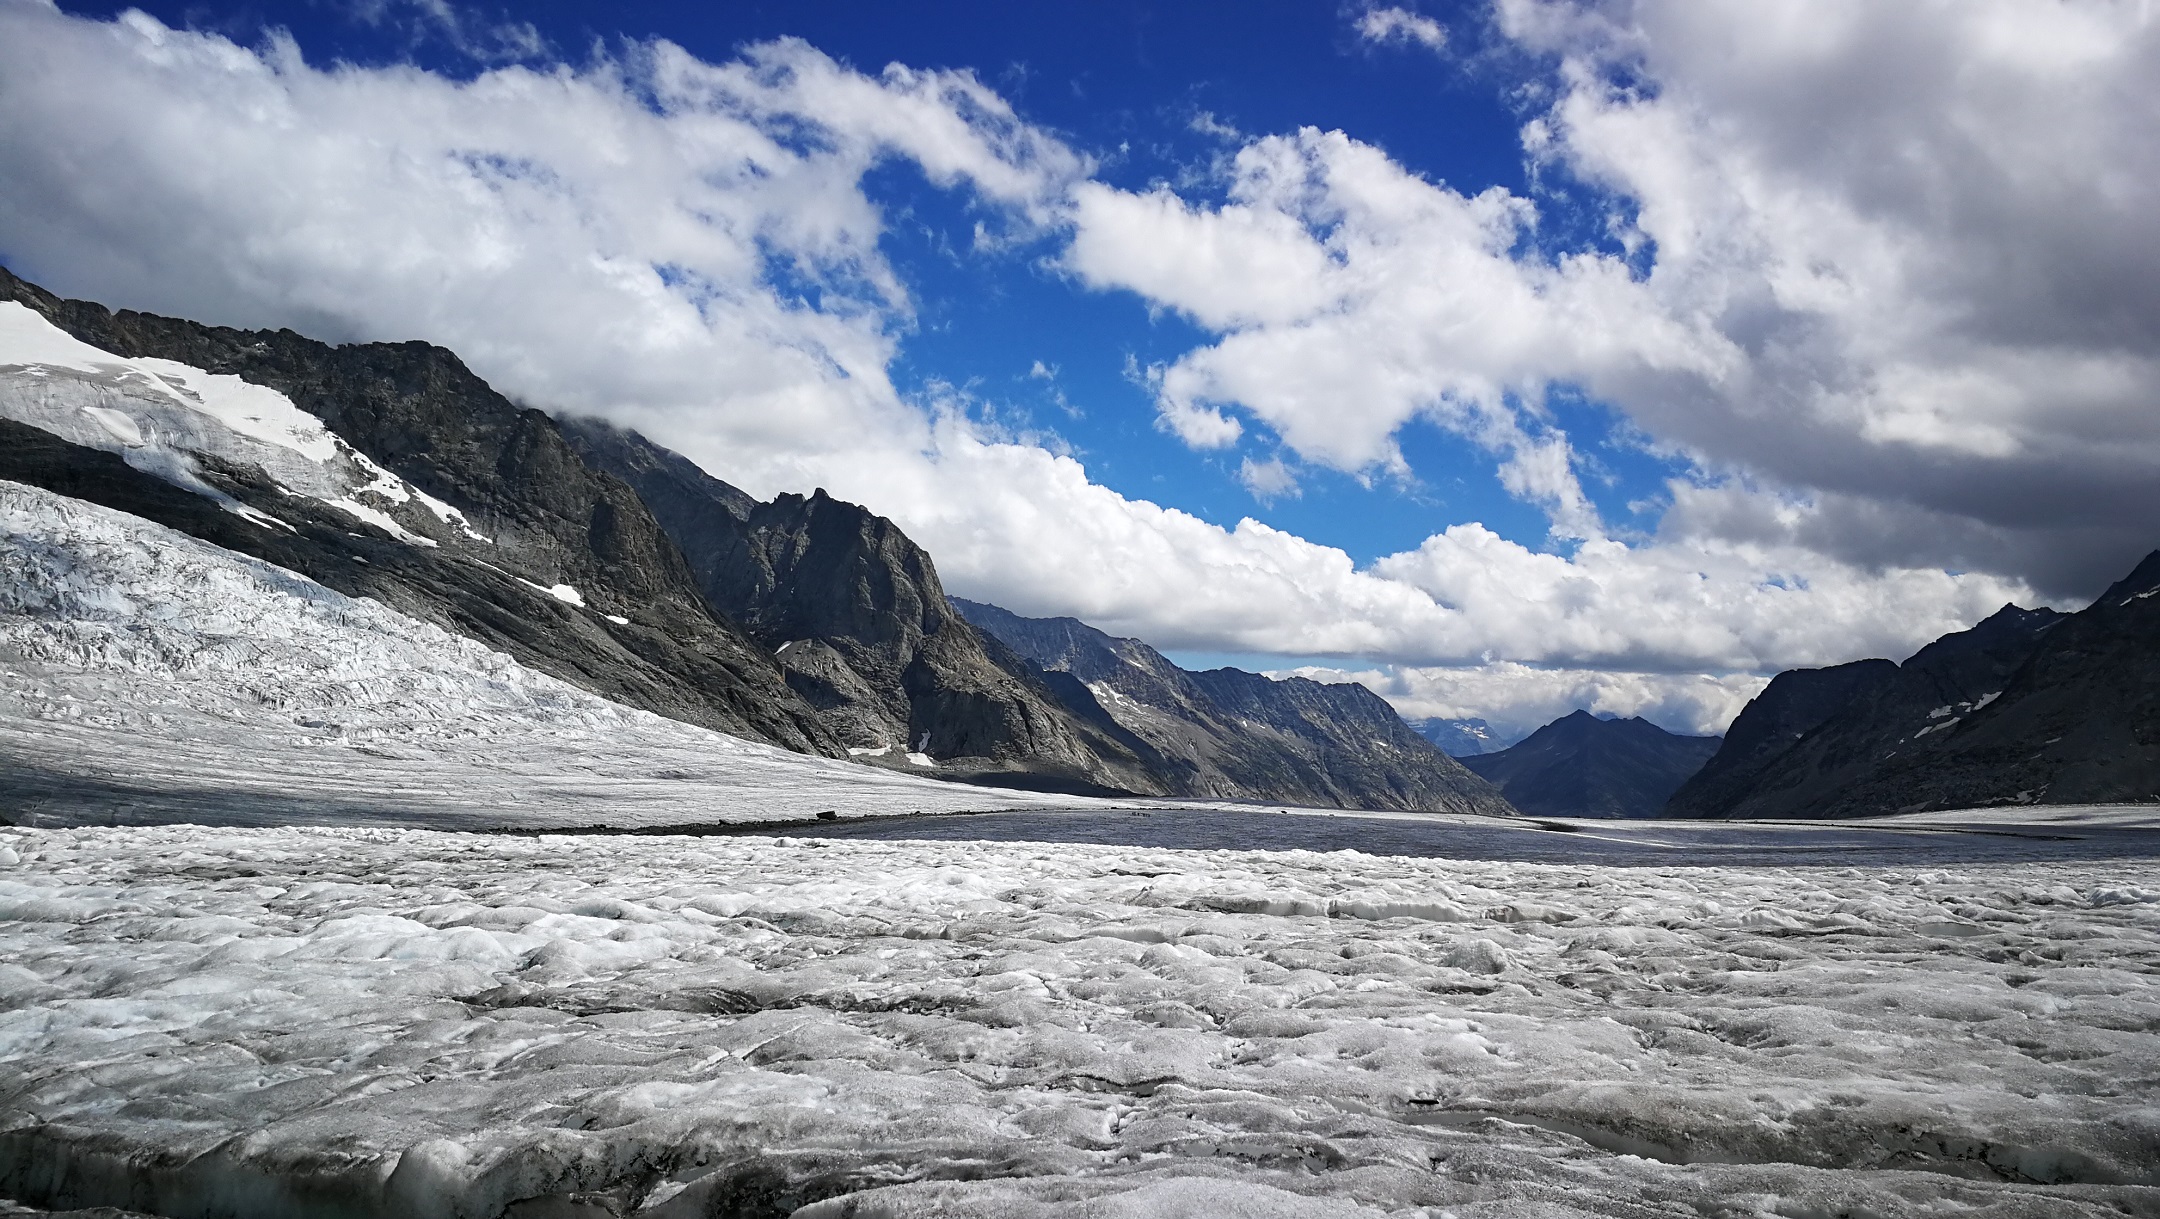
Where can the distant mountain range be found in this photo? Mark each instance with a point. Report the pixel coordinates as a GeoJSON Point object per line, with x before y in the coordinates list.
{"type": "Point", "coordinates": [1583, 766]}
{"type": "Point", "coordinates": [1226, 732]}
{"type": "Point", "coordinates": [2028, 707]}
{"type": "Point", "coordinates": [389, 470]}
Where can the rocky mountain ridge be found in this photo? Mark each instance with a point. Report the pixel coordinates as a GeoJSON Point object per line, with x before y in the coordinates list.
{"type": "Point", "coordinates": [389, 470]}
{"type": "Point", "coordinates": [1581, 765]}
{"type": "Point", "coordinates": [1226, 732]}
{"type": "Point", "coordinates": [2029, 706]}
{"type": "Point", "coordinates": [532, 552]}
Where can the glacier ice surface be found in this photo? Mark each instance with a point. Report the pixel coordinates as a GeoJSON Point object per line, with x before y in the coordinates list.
{"type": "Point", "coordinates": [155, 414]}
{"type": "Point", "coordinates": [230, 1021]}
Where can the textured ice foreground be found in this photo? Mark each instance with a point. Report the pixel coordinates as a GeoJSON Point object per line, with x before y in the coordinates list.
{"type": "Point", "coordinates": [256, 1022]}
{"type": "Point", "coordinates": [267, 1022]}
{"type": "Point", "coordinates": [147, 675]}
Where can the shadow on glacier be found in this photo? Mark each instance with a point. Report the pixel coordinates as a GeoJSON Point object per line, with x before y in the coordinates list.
{"type": "Point", "coordinates": [46, 799]}
{"type": "Point", "coordinates": [35, 797]}
{"type": "Point", "coordinates": [1618, 843]}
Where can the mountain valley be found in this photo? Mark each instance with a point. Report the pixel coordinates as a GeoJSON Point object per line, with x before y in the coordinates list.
{"type": "Point", "coordinates": [592, 554]}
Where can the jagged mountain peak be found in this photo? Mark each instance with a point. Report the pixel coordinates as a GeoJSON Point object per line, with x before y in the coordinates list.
{"type": "Point", "coordinates": [815, 566]}
{"type": "Point", "coordinates": [2143, 581]}
{"type": "Point", "coordinates": [2008, 632]}
{"type": "Point", "coordinates": [860, 623]}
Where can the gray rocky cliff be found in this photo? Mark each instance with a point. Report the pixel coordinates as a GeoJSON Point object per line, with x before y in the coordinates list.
{"type": "Point", "coordinates": [2028, 705]}
{"type": "Point", "coordinates": [1795, 703]}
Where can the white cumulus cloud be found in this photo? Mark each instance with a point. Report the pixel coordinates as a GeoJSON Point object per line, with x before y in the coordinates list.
{"type": "Point", "coordinates": [1930, 230]}
{"type": "Point", "coordinates": [1517, 699]}
{"type": "Point", "coordinates": [1902, 255]}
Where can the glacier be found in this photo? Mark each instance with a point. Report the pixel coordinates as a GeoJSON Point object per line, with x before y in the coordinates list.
{"type": "Point", "coordinates": [258, 958]}
{"type": "Point", "coordinates": [252, 1022]}
{"type": "Point", "coordinates": [147, 675]}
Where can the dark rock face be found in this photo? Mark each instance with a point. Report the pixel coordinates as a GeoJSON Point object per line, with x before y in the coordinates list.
{"type": "Point", "coordinates": [2078, 722]}
{"type": "Point", "coordinates": [1072, 647]}
{"type": "Point", "coordinates": [1236, 735]}
{"type": "Point", "coordinates": [1795, 703]}
{"type": "Point", "coordinates": [2028, 706]}
{"type": "Point", "coordinates": [861, 624]}
{"type": "Point", "coordinates": [549, 519]}
{"type": "Point", "coordinates": [1583, 766]}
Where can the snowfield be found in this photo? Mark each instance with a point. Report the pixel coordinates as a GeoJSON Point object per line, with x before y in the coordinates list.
{"type": "Point", "coordinates": [270, 1022]}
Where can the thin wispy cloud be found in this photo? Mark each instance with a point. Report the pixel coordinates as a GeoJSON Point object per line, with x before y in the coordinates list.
{"type": "Point", "coordinates": [500, 39]}
{"type": "Point", "coordinates": [1268, 480]}
{"type": "Point", "coordinates": [1400, 25]}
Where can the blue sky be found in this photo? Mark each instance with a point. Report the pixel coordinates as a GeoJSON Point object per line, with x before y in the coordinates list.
{"type": "Point", "coordinates": [1132, 85]}
{"type": "Point", "coordinates": [1512, 357]}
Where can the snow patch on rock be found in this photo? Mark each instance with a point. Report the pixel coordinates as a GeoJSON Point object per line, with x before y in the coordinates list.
{"type": "Point", "coordinates": [157, 415]}
{"type": "Point", "coordinates": [561, 592]}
